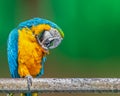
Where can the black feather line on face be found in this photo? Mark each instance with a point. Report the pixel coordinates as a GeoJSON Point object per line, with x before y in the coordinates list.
{"type": "Point", "coordinates": [41, 36]}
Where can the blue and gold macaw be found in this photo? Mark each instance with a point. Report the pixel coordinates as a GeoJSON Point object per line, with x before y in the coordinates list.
{"type": "Point", "coordinates": [28, 45]}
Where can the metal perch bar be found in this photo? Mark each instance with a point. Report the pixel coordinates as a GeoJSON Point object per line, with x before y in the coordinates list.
{"type": "Point", "coordinates": [82, 85]}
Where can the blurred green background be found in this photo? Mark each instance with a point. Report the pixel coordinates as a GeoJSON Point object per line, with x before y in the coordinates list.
{"type": "Point", "coordinates": [91, 47]}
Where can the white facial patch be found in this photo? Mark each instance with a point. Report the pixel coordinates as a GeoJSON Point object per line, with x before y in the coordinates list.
{"type": "Point", "coordinates": [50, 39]}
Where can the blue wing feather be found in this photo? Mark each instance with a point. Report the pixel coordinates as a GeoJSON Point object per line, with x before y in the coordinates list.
{"type": "Point", "coordinates": [42, 70]}
{"type": "Point", "coordinates": [12, 52]}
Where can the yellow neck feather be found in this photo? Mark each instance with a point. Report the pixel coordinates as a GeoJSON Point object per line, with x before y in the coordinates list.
{"type": "Point", "coordinates": [30, 53]}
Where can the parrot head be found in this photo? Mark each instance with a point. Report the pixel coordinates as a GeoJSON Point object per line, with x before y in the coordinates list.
{"type": "Point", "coordinates": [48, 34]}
{"type": "Point", "coordinates": [49, 39]}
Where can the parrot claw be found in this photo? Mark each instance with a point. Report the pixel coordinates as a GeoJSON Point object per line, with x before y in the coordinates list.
{"type": "Point", "coordinates": [29, 81]}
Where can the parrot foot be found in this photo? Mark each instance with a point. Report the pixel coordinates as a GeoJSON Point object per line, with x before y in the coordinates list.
{"type": "Point", "coordinates": [29, 81]}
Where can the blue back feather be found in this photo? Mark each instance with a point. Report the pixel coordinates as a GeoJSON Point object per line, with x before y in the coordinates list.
{"type": "Point", "coordinates": [12, 51]}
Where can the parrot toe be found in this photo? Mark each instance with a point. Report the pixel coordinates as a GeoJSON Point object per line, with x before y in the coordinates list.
{"type": "Point", "coordinates": [29, 81]}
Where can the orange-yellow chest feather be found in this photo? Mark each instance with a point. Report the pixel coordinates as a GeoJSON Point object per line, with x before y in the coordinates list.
{"type": "Point", "coordinates": [30, 54]}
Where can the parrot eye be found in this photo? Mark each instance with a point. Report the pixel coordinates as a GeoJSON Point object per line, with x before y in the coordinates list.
{"type": "Point", "coordinates": [49, 39]}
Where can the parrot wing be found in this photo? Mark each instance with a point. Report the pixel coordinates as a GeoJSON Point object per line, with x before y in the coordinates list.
{"type": "Point", "coordinates": [42, 70]}
{"type": "Point", "coordinates": [12, 52]}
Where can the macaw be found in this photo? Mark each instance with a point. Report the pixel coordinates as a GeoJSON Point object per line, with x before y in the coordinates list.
{"type": "Point", "coordinates": [28, 45]}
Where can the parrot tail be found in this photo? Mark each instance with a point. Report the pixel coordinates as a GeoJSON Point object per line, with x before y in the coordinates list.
{"type": "Point", "coordinates": [29, 94]}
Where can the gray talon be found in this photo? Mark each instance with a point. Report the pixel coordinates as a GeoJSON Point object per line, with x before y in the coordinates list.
{"type": "Point", "coordinates": [29, 81]}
